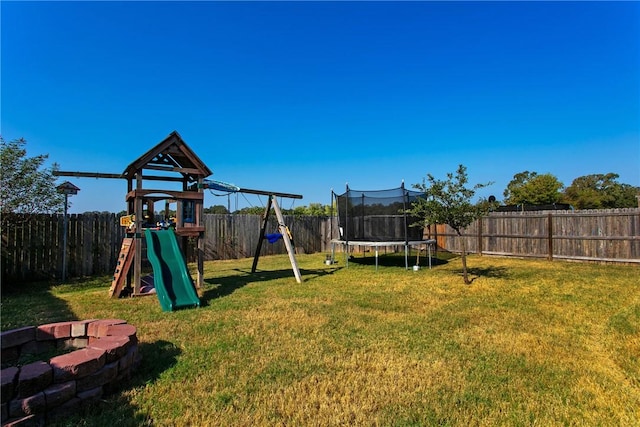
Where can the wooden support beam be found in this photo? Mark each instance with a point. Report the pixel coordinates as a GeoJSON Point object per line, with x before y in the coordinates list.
{"type": "Point", "coordinates": [169, 178]}
{"type": "Point", "coordinates": [170, 168]}
{"type": "Point", "coordinates": [137, 263]}
{"type": "Point", "coordinates": [263, 230]}
{"type": "Point", "coordinates": [183, 195]}
{"type": "Point", "coordinates": [162, 178]}
{"type": "Point", "coordinates": [270, 193]}
{"type": "Point", "coordinates": [284, 230]}
{"type": "Point", "coordinates": [89, 174]}
{"type": "Point", "coordinates": [115, 176]}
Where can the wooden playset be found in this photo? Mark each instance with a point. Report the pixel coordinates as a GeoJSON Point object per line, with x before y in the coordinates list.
{"type": "Point", "coordinates": [173, 163]}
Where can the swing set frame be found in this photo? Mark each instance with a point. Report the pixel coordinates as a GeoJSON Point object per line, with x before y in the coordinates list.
{"type": "Point", "coordinates": [282, 227]}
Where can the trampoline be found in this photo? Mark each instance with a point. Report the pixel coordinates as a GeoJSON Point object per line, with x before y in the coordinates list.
{"type": "Point", "coordinates": [378, 218]}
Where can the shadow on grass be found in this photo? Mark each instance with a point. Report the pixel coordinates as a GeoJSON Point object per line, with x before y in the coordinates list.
{"type": "Point", "coordinates": [488, 272]}
{"type": "Point", "coordinates": [116, 408]}
{"type": "Point", "coordinates": [32, 304]}
{"type": "Point", "coordinates": [395, 260]}
{"type": "Point", "coordinates": [157, 357]}
{"type": "Point", "coordinates": [227, 285]}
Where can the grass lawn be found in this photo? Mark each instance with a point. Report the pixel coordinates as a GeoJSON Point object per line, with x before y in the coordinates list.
{"type": "Point", "coordinates": [528, 343]}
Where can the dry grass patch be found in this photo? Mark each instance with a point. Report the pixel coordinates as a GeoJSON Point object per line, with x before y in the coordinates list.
{"type": "Point", "coordinates": [528, 343]}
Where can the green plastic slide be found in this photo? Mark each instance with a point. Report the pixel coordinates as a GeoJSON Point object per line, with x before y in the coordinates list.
{"type": "Point", "coordinates": [173, 284]}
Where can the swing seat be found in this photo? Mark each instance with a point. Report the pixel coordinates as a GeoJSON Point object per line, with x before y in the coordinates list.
{"type": "Point", "coordinates": [272, 238]}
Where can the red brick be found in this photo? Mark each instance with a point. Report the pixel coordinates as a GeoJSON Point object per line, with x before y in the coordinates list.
{"type": "Point", "coordinates": [100, 378]}
{"type": "Point", "coordinates": [79, 328]}
{"type": "Point", "coordinates": [114, 346]}
{"type": "Point", "coordinates": [30, 347]}
{"type": "Point", "coordinates": [17, 337]}
{"type": "Point", "coordinates": [118, 382]}
{"type": "Point", "coordinates": [72, 343]}
{"type": "Point", "coordinates": [35, 404]}
{"type": "Point", "coordinates": [129, 360]}
{"type": "Point", "coordinates": [53, 331]}
{"type": "Point", "coordinates": [137, 357]}
{"type": "Point", "coordinates": [93, 327]}
{"type": "Point", "coordinates": [63, 344]}
{"type": "Point", "coordinates": [10, 354]}
{"type": "Point", "coordinates": [33, 378]}
{"type": "Point", "coordinates": [28, 421]}
{"type": "Point", "coordinates": [121, 330]}
{"type": "Point", "coordinates": [89, 395]}
{"type": "Point", "coordinates": [46, 346]}
{"type": "Point", "coordinates": [9, 377]}
{"type": "Point", "coordinates": [68, 408]}
{"type": "Point", "coordinates": [79, 342]}
{"type": "Point", "coordinates": [77, 364]}
{"type": "Point", "coordinates": [58, 394]}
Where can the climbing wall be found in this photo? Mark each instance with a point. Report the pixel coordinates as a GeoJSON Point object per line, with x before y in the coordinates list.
{"type": "Point", "coordinates": [122, 267]}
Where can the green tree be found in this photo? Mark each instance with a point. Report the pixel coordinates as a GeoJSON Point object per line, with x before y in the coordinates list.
{"type": "Point", "coordinates": [529, 188]}
{"type": "Point", "coordinates": [216, 209]}
{"type": "Point", "coordinates": [314, 209]}
{"type": "Point", "coordinates": [600, 191]}
{"type": "Point", "coordinates": [450, 202]}
{"type": "Point", "coordinates": [253, 210]}
{"type": "Point", "coordinates": [26, 186]}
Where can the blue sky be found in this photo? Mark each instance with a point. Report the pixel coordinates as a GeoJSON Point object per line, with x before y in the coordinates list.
{"type": "Point", "coordinates": [303, 97]}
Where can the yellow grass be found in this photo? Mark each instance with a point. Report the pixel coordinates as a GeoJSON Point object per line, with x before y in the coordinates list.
{"type": "Point", "coordinates": [528, 343]}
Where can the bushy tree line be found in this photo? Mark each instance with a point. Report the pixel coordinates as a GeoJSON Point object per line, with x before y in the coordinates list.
{"type": "Point", "coordinates": [29, 187]}
{"type": "Point", "coordinates": [596, 191]}
{"type": "Point", "coordinates": [314, 209]}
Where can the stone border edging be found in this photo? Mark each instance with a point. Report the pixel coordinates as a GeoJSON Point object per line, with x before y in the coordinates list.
{"type": "Point", "coordinates": [104, 353]}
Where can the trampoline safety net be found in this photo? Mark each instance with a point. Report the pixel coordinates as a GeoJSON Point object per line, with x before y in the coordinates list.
{"type": "Point", "coordinates": [377, 215]}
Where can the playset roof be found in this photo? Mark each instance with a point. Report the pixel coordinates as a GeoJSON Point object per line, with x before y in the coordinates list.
{"type": "Point", "coordinates": [170, 155]}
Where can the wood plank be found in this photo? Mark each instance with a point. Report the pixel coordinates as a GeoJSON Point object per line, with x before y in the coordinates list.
{"type": "Point", "coordinates": [60, 247]}
{"type": "Point", "coordinates": [86, 226]}
{"type": "Point", "coordinates": [189, 195]}
{"type": "Point", "coordinates": [72, 246]}
{"type": "Point", "coordinates": [89, 174]}
{"type": "Point", "coordinates": [288, 241]}
{"type": "Point", "coordinates": [125, 258]}
{"type": "Point", "coordinates": [189, 171]}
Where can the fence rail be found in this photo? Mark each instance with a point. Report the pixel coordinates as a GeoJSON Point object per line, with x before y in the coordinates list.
{"type": "Point", "coordinates": [33, 250]}
{"type": "Point", "coordinates": [32, 246]}
{"type": "Point", "coordinates": [611, 235]}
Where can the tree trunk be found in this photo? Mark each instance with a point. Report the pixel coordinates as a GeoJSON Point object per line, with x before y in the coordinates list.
{"type": "Point", "coordinates": [464, 258]}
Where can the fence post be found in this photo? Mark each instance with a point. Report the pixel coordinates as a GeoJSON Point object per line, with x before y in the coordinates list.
{"type": "Point", "coordinates": [480, 236]}
{"type": "Point", "coordinates": [550, 236]}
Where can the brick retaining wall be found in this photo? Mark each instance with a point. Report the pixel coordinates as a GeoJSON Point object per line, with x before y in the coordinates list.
{"type": "Point", "coordinates": [102, 354]}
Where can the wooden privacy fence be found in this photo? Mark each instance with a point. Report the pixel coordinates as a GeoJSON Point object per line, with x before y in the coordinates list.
{"type": "Point", "coordinates": [236, 236]}
{"type": "Point", "coordinates": [611, 235]}
{"type": "Point", "coordinates": [33, 250]}
{"type": "Point", "coordinates": [32, 246]}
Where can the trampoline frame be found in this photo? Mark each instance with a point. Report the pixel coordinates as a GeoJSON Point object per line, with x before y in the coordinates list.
{"type": "Point", "coordinates": [374, 244]}
{"type": "Point", "coordinates": [347, 243]}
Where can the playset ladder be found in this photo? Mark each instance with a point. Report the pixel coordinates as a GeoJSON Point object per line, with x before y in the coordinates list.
{"type": "Point", "coordinates": [122, 267]}
{"type": "Point", "coordinates": [286, 237]}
